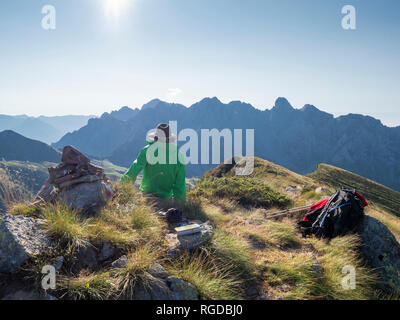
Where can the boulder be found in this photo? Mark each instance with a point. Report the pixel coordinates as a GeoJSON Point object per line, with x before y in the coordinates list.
{"type": "Point", "coordinates": [382, 251]}
{"type": "Point", "coordinates": [182, 290]}
{"type": "Point", "coordinates": [20, 238]}
{"type": "Point", "coordinates": [85, 195]}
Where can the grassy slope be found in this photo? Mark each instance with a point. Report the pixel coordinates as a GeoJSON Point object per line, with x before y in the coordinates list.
{"type": "Point", "coordinates": [286, 259]}
{"type": "Point", "coordinates": [384, 197]}
{"type": "Point", "coordinates": [384, 203]}
{"type": "Point", "coordinates": [247, 257]}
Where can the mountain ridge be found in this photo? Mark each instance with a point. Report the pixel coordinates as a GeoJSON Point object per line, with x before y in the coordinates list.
{"type": "Point", "coordinates": [298, 139]}
{"type": "Point", "coordinates": [14, 146]}
{"type": "Point", "coordinates": [47, 129]}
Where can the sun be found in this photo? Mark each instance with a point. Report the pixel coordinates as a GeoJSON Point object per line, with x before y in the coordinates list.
{"type": "Point", "coordinates": [115, 8]}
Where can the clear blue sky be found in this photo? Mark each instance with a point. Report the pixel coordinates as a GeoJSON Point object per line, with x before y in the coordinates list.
{"type": "Point", "coordinates": [99, 59]}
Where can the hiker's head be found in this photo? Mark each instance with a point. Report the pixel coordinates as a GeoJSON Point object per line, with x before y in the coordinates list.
{"type": "Point", "coordinates": [162, 134]}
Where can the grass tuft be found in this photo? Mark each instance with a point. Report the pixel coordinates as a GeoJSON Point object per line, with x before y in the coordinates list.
{"type": "Point", "coordinates": [136, 272]}
{"type": "Point", "coordinates": [20, 209]}
{"type": "Point", "coordinates": [64, 225]}
{"type": "Point", "coordinates": [90, 287]}
{"type": "Point", "coordinates": [214, 280]}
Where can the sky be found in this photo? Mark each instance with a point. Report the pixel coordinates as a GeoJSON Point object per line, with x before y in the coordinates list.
{"type": "Point", "coordinates": [105, 54]}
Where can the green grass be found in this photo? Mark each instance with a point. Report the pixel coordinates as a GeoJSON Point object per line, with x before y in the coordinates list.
{"type": "Point", "coordinates": [65, 226]}
{"type": "Point", "coordinates": [136, 272]}
{"type": "Point", "coordinates": [213, 280]}
{"type": "Point", "coordinates": [244, 190]}
{"type": "Point", "coordinates": [295, 277]}
{"type": "Point", "coordinates": [233, 250]}
{"type": "Point", "coordinates": [89, 287]}
{"type": "Point", "coordinates": [283, 266]}
{"type": "Point", "coordinates": [20, 209]}
{"type": "Point", "coordinates": [384, 197]}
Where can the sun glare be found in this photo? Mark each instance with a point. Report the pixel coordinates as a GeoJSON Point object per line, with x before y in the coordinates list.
{"type": "Point", "coordinates": [115, 8]}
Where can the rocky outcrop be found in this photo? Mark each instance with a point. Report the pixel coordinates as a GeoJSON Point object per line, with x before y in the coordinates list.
{"type": "Point", "coordinates": [382, 251]}
{"type": "Point", "coordinates": [20, 239]}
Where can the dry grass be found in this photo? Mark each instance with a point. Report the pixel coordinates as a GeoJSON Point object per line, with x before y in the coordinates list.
{"type": "Point", "coordinates": [213, 279]}
{"type": "Point", "coordinates": [86, 287]}
{"type": "Point", "coordinates": [136, 272]}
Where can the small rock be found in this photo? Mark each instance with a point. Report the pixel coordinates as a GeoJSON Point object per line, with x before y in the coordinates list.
{"type": "Point", "coordinates": [20, 238]}
{"type": "Point", "coordinates": [252, 291]}
{"type": "Point", "coordinates": [58, 263]}
{"type": "Point", "coordinates": [158, 271]}
{"type": "Point", "coordinates": [120, 263]}
{"type": "Point", "coordinates": [310, 247]}
{"type": "Point", "coordinates": [292, 189]}
{"type": "Point", "coordinates": [316, 266]}
{"type": "Point", "coordinates": [322, 190]}
{"type": "Point", "coordinates": [285, 287]}
{"type": "Point", "coordinates": [87, 256]}
{"type": "Point", "coordinates": [106, 252]}
{"type": "Point", "coordinates": [182, 289]}
{"type": "Point", "coordinates": [195, 240]}
{"type": "Point", "coordinates": [154, 290]}
{"type": "Point", "coordinates": [263, 297]}
{"type": "Point", "coordinates": [178, 243]}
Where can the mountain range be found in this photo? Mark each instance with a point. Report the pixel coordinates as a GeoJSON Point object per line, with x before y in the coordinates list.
{"type": "Point", "coordinates": [298, 139]}
{"type": "Point", "coordinates": [14, 146]}
{"type": "Point", "coordinates": [45, 129]}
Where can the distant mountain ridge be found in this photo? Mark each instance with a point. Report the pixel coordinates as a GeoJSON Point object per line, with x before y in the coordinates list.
{"type": "Point", "coordinates": [45, 129]}
{"type": "Point", "coordinates": [14, 146]}
{"type": "Point", "coordinates": [298, 139]}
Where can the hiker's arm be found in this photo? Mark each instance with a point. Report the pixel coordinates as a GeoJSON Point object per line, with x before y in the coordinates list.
{"type": "Point", "coordinates": [135, 168]}
{"type": "Point", "coordinates": [179, 188]}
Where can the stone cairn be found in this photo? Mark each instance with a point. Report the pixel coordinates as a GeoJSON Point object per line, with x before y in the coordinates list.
{"type": "Point", "coordinates": [76, 182]}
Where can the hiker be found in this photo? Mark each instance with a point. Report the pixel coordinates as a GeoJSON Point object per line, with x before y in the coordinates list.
{"type": "Point", "coordinates": [163, 166]}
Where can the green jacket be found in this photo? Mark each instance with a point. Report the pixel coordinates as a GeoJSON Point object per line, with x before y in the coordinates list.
{"type": "Point", "coordinates": [163, 179]}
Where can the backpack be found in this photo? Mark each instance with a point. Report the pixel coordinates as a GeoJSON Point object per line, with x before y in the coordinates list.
{"type": "Point", "coordinates": [335, 216]}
